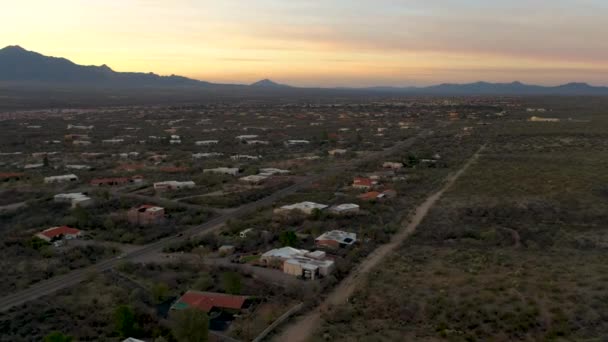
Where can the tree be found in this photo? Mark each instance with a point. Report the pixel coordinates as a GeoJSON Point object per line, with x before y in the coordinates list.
{"type": "Point", "coordinates": [124, 319]}
{"type": "Point", "coordinates": [82, 216]}
{"type": "Point", "coordinates": [203, 283]}
{"type": "Point", "coordinates": [288, 238]}
{"type": "Point", "coordinates": [57, 336]}
{"type": "Point", "coordinates": [190, 325]}
{"type": "Point", "coordinates": [231, 282]}
{"type": "Point", "coordinates": [160, 292]}
{"type": "Point", "coordinates": [45, 161]}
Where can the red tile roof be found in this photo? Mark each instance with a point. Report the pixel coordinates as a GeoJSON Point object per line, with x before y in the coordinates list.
{"type": "Point", "coordinates": [369, 195]}
{"type": "Point", "coordinates": [206, 301]}
{"type": "Point", "coordinates": [11, 175]}
{"type": "Point", "coordinates": [363, 182]}
{"type": "Point", "coordinates": [57, 231]}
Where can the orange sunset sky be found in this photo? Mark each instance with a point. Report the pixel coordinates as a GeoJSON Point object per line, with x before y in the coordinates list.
{"type": "Point", "coordinates": [323, 43]}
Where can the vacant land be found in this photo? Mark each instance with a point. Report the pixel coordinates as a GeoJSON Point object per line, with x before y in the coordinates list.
{"type": "Point", "coordinates": [515, 251]}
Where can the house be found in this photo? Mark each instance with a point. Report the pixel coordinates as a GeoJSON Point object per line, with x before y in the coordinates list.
{"type": "Point", "coordinates": [337, 152]}
{"type": "Point", "coordinates": [81, 142]}
{"type": "Point", "coordinates": [253, 179]}
{"type": "Point", "coordinates": [146, 214]}
{"type": "Point", "coordinates": [211, 302]}
{"type": "Point", "coordinates": [110, 181]}
{"type": "Point", "coordinates": [61, 179]}
{"type": "Point", "coordinates": [113, 141]}
{"type": "Point", "coordinates": [298, 262]}
{"type": "Point", "coordinates": [296, 142]}
{"type": "Point", "coordinates": [392, 165]}
{"type": "Point", "coordinates": [78, 167]}
{"type": "Point", "coordinates": [174, 185]}
{"type": "Point", "coordinates": [12, 176]}
{"type": "Point", "coordinates": [305, 207]}
{"type": "Point", "coordinates": [131, 339]}
{"type": "Point", "coordinates": [206, 142]}
{"type": "Point", "coordinates": [278, 255]}
{"type": "Point", "coordinates": [76, 199]}
{"type": "Point", "coordinates": [79, 127]}
{"type": "Point", "coordinates": [226, 250]}
{"type": "Point", "coordinates": [374, 195]}
{"type": "Point", "coordinates": [344, 209]}
{"type": "Point", "coordinates": [257, 142]}
{"type": "Point", "coordinates": [232, 171]}
{"type": "Point", "coordinates": [32, 166]}
{"type": "Point", "coordinates": [308, 268]}
{"type": "Point", "coordinates": [244, 156]}
{"type": "Point", "coordinates": [270, 171]}
{"type": "Point", "coordinates": [246, 137]}
{"type": "Point", "coordinates": [59, 233]}
{"type": "Point", "coordinates": [206, 155]}
{"type": "Point", "coordinates": [364, 183]}
{"type": "Point", "coordinates": [540, 119]}
{"type": "Point", "coordinates": [335, 239]}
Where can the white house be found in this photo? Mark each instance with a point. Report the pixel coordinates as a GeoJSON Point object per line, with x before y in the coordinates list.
{"type": "Point", "coordinates": [346, 208]}
{"type": "Point", "coordinates": [61, 179]}
{"type": "Point", "coordinates": [76, 199]}
{"type": "Point", "coordinates": [174, 185]}
{"type": "Point", "coordinates": [206, 142]}
{"type": "Point", "coordinates": [232, 171]}
{"type": "Point", "coordinates": [305, 207]}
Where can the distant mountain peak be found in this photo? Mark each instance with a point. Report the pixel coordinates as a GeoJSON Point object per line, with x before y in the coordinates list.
{"type": "Point", "coordinates": [267, 83]}
{"type": "Point", "coordinates": [13, 48]}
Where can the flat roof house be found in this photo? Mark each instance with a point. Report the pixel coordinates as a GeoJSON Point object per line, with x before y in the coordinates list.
{"type": "Point", "coordinates": [146, 214]}
{"type": "Point", "coordinates": [61, 179]}
{"type": "Point", "coordinates": [174, 185]}
{"type": "Point", "coordinates": [58, 233]}
{"type": "Point", "coordinates": [335, 239]}
{"type": "Point", "coordinates": [343, 209]}
{"type": "Point", "coordinates": [76, 199]}
{"type": "Point", "coordinates": [305, 207]}
{"type": "Point", "coordinates": [232, 171]}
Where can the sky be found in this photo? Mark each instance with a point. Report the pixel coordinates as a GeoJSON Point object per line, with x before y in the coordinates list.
{"type": "Point", "coordinates": [323, 42]}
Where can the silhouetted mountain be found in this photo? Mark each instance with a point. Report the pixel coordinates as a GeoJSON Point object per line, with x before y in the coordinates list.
{"type": "Point", "coordinates": [485, 88]}
{"type": "Point", "coordinates": [269, 84]}
{"type": "Point", "coordinates": [18, 64]}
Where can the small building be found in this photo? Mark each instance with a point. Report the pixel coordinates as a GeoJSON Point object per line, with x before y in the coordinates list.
{"type": "Point", "coordinates": [392, 165]}
{"type": "Point", "coordinates": [114, 181]}
{"type": "Point", "coordinates": [146, 215]}
{"type": "Point", "coordinates": [277, 256]}
{"type": "Point", "coordinates": [246, 137]}
{"type": "Point", "coordinates": [59, 233]}
{"type": "Point", "coordinates": [61, 179]}
{"type": "Point", "coordinates": [226, 250]}
{"type": "Point", "coordinates": [364, 183]}
{"type": "Point", "coordinates": [337, 152]}
{"type": "Point", "coordinates": [13, 176]}
{"type": "Point", "coordinates": [232, 171]}
{"type": "Point", "coordinates": [76, 199]}
{"type": "Point", "coordinates": [174, 185]}
{"type": "Point", "coordinates": [540, 119]}
{"type": "Point", "coordinates": [271, 171]}
{"type": "Point", "coordinates": [305, 207]}
{"type": "Point", "coordinates": [257, 142]}
{"type": "Point", "coordinates": [308, 268]}
{"type": "Point", "coordinates": [344, 209]}
{"type": "Point", "coordinates": [253, 179]}
{"type": "Point", "coordinates": [206, 142]}
{"type": "Point", "coordinates": [335, 239]}
{"type": "Point", "coordinates": [113, 141]}
{"type": "Point", "coordinates": [206, 155]}
{"type": "Point", "coordinates": [244, 156]}
{"type": "Point", "coordinates": [211, 302]}
{"type": "Point", "coordinates": [296, 142]}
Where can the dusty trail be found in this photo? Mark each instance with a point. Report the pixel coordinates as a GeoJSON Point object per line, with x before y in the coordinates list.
{"type": "Point", "coordinates": [302, 329]}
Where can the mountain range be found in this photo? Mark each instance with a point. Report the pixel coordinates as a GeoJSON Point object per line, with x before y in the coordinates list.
{"type": "Point", "coordinates": [19, 65]}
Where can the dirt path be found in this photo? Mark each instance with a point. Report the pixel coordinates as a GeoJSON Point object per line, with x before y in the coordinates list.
{"type": "Point", "coordinates": [302, 329]}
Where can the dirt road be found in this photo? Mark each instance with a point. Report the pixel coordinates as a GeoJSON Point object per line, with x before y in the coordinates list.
{"type": "Point", "coordinates": [302, 329]}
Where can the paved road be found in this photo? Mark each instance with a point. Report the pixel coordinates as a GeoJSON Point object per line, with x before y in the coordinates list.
{"type": "Point", "coordinates": [302, 329]}
{"type": "Point", "coordinates": [75, 277]}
